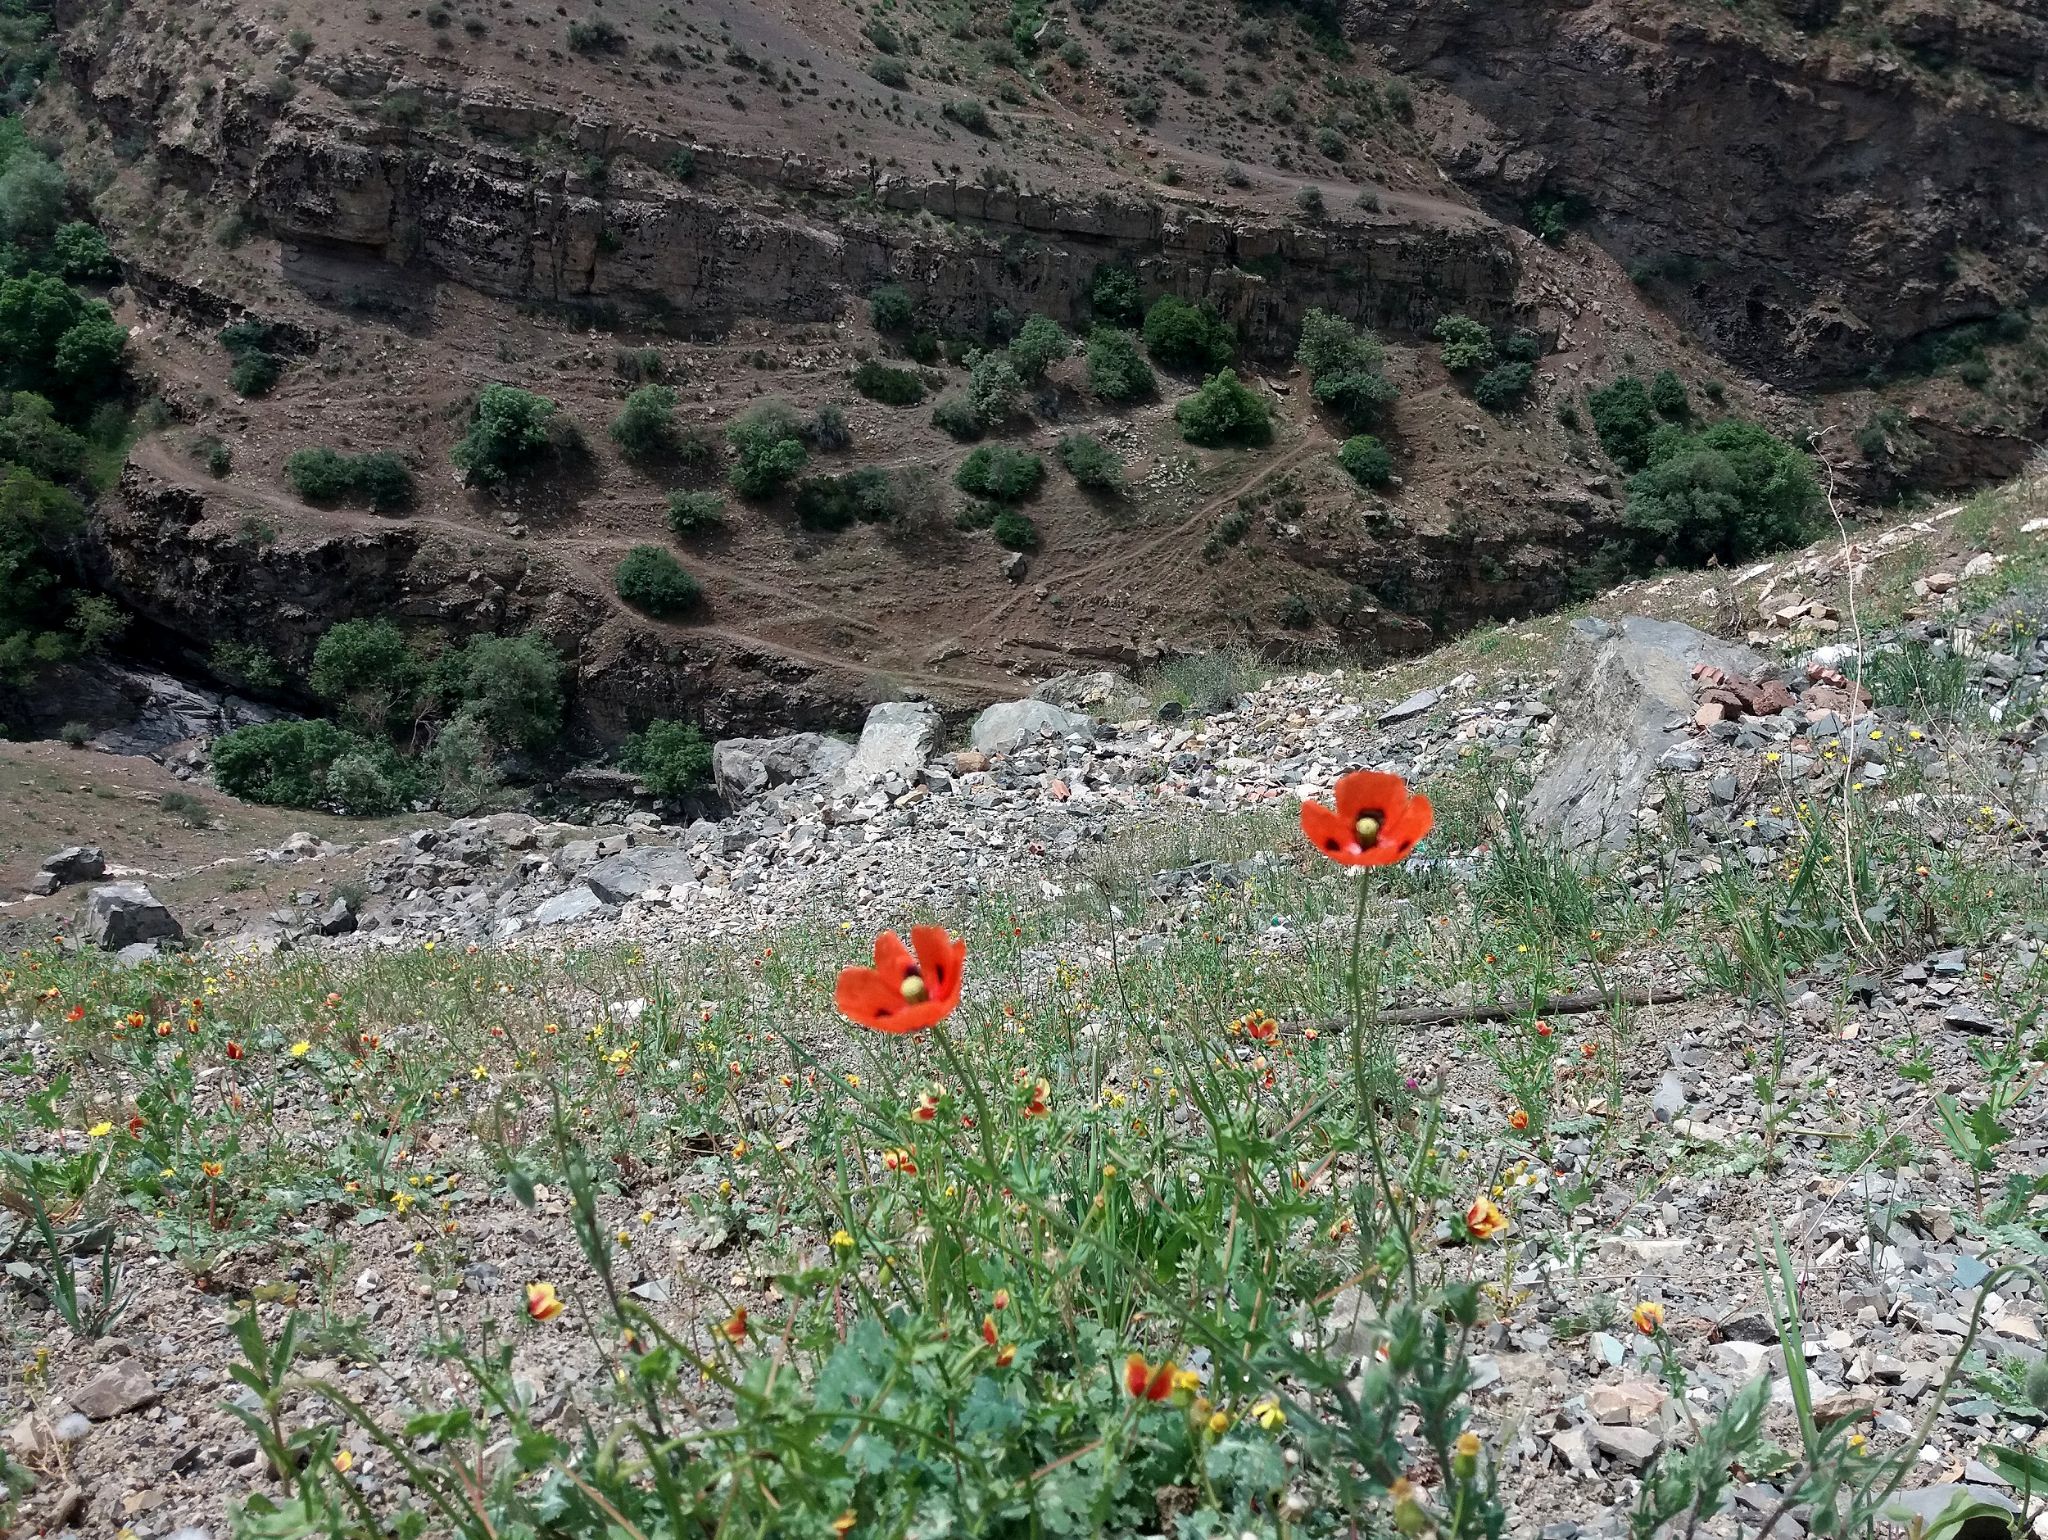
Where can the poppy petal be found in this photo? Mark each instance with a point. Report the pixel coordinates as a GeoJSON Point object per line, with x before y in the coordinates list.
{"type": "Point", "coordinates": [1370, 791]}
{"type": "Point", "coordinates": [1135, 1373]}
{"type": "Point", "coordinates": [940, 959]}
{"type": "Point", "coordinates": [1327, 831]}
{"type": "Point", "coordinates": [866, 997]}
{"type": "Point", "coordinates": [892, 958]}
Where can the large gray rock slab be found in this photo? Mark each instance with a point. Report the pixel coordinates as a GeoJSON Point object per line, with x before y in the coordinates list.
{"type": "Point", "coordinates": [124, 913]}
{"type": "Point", "coordinates": [643, 869]}
{"type": "Point", "coordinates": [1014, 723]}
{"type": "Point", "coordinates": [896, 742]}
{"type": "Point", "coordinates": [76, 863]}
{"type": "Point", "coordinates": [1105, 693]}
{"type": "Point", "coordinates": [1624, 696]}
{"type": "Point", "coordinates": [744, 768]}
{"type": "Point", "coordinates": [577, 903]}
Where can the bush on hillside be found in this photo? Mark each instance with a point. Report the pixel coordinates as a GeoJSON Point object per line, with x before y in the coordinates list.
{"type": "Point", "coordinates": [293, 764]}
{"type": "Point", "coordinates": [1624, 420]}
{"type": "Point", "coordinates": [1117, 371]}
{"type": "Point", "coordinates": [891, 308]}
{"type": "Point", "coordinates": [1667, 396]}
{"type": "Point", "coordinates": [653, 581]}
{"type": "Point", "coordinates": [646, 428]}
{"type": "Point", "coordinates": [891, 387]}
{"type": "Point", "coordinates": [1014, 530]}
{"type": "Point", "coordinates": [1467, 345]}
{"type": "Point", "coordinates": [1503, 385]}
{"type": "Point", "coordinates": [994, 388]}
{"type": "Point", "coordinates": [378, 478]}
{"type": "Point", "coordinates": [768, 449]}
{"type": "Point", "coordinates": [370, 673]}
{"type": "Point", "coordinates": [673, 758]}
{"type": "Point", "coordinates": [866, 496]}
{"type": "Point", "coordinates": [510, 431]}
{"type": "Point", "coordinates": [1114, 296]}
{"type": "Point", "coordinates": [691, 513]}
{"type": "Point", "coordinates": [1728, 493]}
{"type": "Point", "coordinates": [1344, 364]}
{"type": "Point", "coordinates": [1184, 336]}
{"type": "Point", "coordinates": [1091, 462]}
{"type": "Point", "coordinates": [1224, 411]}
{"type": "Point", "coordinates": [1038, 345]}
{"type": "Point", "coordinates": [953, 413]}
{"type": "Point", "coordinates": [1001, 473]}
{"type": "Point", "coordinates": [1367, 461]}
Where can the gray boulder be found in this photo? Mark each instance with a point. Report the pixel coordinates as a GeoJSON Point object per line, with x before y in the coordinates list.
{"type": "Point", "coordinates": [744, 768]}
{"type": "Point", "coordinates": [124, 913]}
{"type": "Point", "coordinates": [76, 863]}
{"type": "Point", "coordinates": [633, 872]}
{"type": "Point", "coordinates": [1624, 696]}
{"type": "Point", "coordinates": [1012, 724]}
{"type": "Point", "coordinates": [578, 903]}
{"type": "Point", "coordinates": [339, 918]}
{"type": "Point", "coordinates": [896, 742]}
{"type": "Point", "coordinates": [1106, 693]}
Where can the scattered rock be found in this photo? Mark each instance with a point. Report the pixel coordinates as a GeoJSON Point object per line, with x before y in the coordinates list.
{"type": "Point", "coordinates": [897, 740]}
{"type": "Point", "coordinates": [577, 903]}
{"type": "Point", "coordinates": [124, 913]}
{"type": "Point", "coordinates": [75, 863]}
{"type": "Point", "coordinates": [122, 1386]}
{"type": "Point", "coordinates": [1013, 723]}
{"type": "Point", "coordinates": [743, 769]}
{"type": "Point", "coordinates": [1630, 1445]}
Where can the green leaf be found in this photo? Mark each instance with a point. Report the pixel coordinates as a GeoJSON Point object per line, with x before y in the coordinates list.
{"type": "Point", "coordinates": [2024, 1469]}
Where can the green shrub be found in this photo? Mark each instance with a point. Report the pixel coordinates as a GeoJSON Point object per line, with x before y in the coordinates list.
{"type": "Point", "coordinates": [378, 478]}
{"type": "Point", "coordinates": [1038, 345]}
{"type": "Point", "coordinates": [1624, 420]}
{"type": "Point", "coordinates": [691, 513]}
{"type": "Point", "coordinates": [653, 581]}
{"type": "Point", "coordinates": [993, 388]}
{"type": "Point", "coordinates": [1309, 200]}
{"type": "Point", "coordinates": [673, 758]}
{"type": "Point", "coordinates": [891, 309]}
{"type": "Point", "coordinates": [256, 368]}
{"type": "Point", "coordinates": [643, 366]}
{"type": "Point", "coordinates": [828, 428]}
{"type": "Point", "coordinates": [891, 73]}
{"type": "Point", "coordinates": [1668, 397]}
{"type": "Point", "coordinates": [370, 672]}
{"type": "Point", "coordinates": [999, 472]}
{"type": "Point", "coordinates": [56, 342]}
{"type": "Point", "coordinates": [1184, 336]}
{"type": "Point", "coordinates": [1114, 296]}
{"type": "Point", "coordinates": [1344, 364]}
{"type": "Point", "coordinates": [1729, 492]}
{"type": "Point", "coordinates": [646, 428]}
{"type": "Point", "coordinates": [768, 449]}
{"type": "Point", "coordinates": [1522, 347]}
{"type": "Point", "coordinates": [867, 495]}
{"type": "Point", "coordinates": [245, 666]}
{"type": "Point", "coordinates": [291, 764]}
{"type": "Point", "coordinates": [955, 414]}
{"type": "Point", "coordinates": [32, 437]}
{"type": "Point", "coordinates": [1467, 345]}
{"type": "Point", "coordinates": [510, 431]}
{"type": "Point", "coordinates": [1117, 371]}
{"type": "Point", "coordinates": [1503, 385]}
{"type": "Point", "coordinates": [891, 387]}
{"type": "Point", "coordinates": [1224, 411]}
{"type": "Point", "coordinates": [511, 684]}
{"type": "Point", "coordinates": [595, 36]}
{"type": "Point", "coordinates": [81, 253]}
{"type": "Point", "coordinates": [319, 475]}
{"type": "Point", "coordinates": [1091, 462]}
{"type": "Point", "coordinates": [1014, 531]}
{"type": "Point", "coordinates": [971, 115]}
{"type": "Point", "coordinates": [1366, 460]}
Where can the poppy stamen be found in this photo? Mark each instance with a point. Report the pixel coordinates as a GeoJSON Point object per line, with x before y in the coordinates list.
{"type": "Point", "coordinates": [914, 990]}
{"type": "Point", "coordinates": [1368, 829]}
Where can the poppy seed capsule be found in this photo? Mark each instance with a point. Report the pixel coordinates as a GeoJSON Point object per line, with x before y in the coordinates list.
{"type": "Point", "coordinates": [1368, 829]}
{"type": "Point", "coordinates": [914, 990]}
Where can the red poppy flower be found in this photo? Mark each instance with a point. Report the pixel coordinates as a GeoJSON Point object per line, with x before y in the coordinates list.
{"type": "Point", "coordinates": [901, 993]}
{"type": "Point", "coordinates": [76, 1013]}
{"type": "Point", "coordinates": [988, 1330]}
{"type": "Point", "coordinates": [1147, 1382]}
{"type": "Point", "coordinates": [1040, 1101]}
{"type": "Point", "coordinates": [735, 1326]}
{"type": "Point", "coordinates": [234, 1050]}
{"type": "Point", "coordinates": [1518, 1120]}
{"type": "Point", "coordinates": [1543, 1029]}
{"type": "Point", "coordinates": [1376, 822]}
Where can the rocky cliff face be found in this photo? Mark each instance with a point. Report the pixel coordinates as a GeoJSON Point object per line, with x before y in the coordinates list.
{"type": "Point", "coordinates": [531, 203]}
{"type": "Point", "coordinates": [1807, 205]}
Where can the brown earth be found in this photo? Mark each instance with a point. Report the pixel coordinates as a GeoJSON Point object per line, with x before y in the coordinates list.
{"type": "Point", "coordinates": [428, 200]}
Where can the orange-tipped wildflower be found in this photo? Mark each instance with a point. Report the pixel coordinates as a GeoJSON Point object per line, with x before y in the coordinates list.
{"type": "Point", "coordinates": [1148, 1382]}
{"type": "Point", "coordinates": [210, 1168]}
{"type": "Point", "coordinates": [988, 1330]}
{"type": "Point", "coordinates": [902, 1162]}
{"type": "Point", "coordinates": [1648, 1316]}
{"type": "Point", "coordinates": [1040, 1101]}
{"type": "Point", "coordinates": [1484, 1220]}
{"type": "Point", "coordinates": [902, 993]}
{"type": "Point", "coordinates": [542, 1302]}
{"type": "Point", "coordinates": [234, 1050]}
{"type": "Point", "coordinates": [1376, 821]}
{"type": "Point", "coordinates": [927, 1107]}
{"type": "Point", "coordinates": [734, 1327]}
{"type": "Point", "coordinates": [1006, 1355]}
{"type": "Point", "coordinates": [1518, 1120]}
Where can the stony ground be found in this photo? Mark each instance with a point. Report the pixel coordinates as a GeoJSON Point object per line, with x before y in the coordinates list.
{"type": "Point", "coordinates": [1087, 844]}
